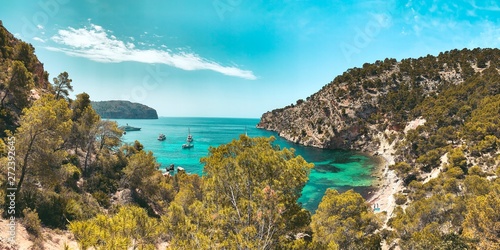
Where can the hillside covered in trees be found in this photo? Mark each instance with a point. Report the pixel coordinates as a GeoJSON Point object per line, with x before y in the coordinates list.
{"type": "Point", "coordinates": [350, 111]}
{"type": "Point", "coordinates": [448, 164]}
{"type": "Point", "coordinates": [73, 173]}
{"type": "Point", "coordinates": [20, 72]}
{"type": "Point", "coordinates": [123, 110]}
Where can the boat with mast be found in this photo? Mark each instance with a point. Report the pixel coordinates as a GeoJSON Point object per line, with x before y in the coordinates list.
{"type": "Point", "coordinates": [189, 139]}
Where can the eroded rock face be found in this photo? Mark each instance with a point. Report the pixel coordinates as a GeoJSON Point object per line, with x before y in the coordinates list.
{"type": "Point", "coordinates": [325, 120]}
{"type": "Point", "coordinates": [122, 197]}
{"type": "Point", "coordinates": [353, 109]}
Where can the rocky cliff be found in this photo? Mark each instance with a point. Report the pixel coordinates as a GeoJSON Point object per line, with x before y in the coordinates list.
{"type": "Point", "coordinates": [353, 109]}
{"type": "Point", "coordinates": [12, 48]}
{"type": "Point", "coordinates": [22, 78]}
{"type": "Point", "coordinates": [124, 110]}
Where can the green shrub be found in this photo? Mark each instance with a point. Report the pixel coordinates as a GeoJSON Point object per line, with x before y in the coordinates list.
{"type": "Point", "coordinates": [455, 173]}
{"type": "Point", "coordinates": [71, 171]}
{"type": "Point", "coordinates": [50, 207]}
{"type": "Point", "coordinates": [476, 170]}
{"type": "Point", "coordinates": [73, 210]}
{"type": "Point", "coordinates": [400, 199]}
{"type": "Point", "coordinates": [102, 198]}
{"type": "Point", "coordinates": [451, 185]}
{"type": "Point", "coordinates": [430, 160]}
{"type": "Point", "coordinates": [401, 168]}
{"type": "Point", "coordinates": [3, 148]}
{"type": "Point", "coordinates": [392, 137]}
{"type": "Point", "coordinates": [32, 222]}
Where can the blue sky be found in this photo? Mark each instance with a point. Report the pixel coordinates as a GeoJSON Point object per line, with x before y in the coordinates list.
{"type": "Point", "coordinates": [235, 58]}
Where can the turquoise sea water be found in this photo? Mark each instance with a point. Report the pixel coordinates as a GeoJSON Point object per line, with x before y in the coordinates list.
{"type": "Point", "coordinates": [341, 170]}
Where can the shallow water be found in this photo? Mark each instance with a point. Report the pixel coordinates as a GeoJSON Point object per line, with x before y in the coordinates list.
{"type": "Point", "coordinates": [338, 169]}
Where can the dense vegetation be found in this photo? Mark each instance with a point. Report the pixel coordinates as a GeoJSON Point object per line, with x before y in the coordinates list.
{"type": "Point", "coordinates": [123, 110]}
{"type": "Point", "coordinates": [73, 172]}
{"type": "Point", "coordinates": [457, 93]}
{"type": "Point", "coordinates": [235, 205]}
{"type": "Point", "coordinates": [459, 209]}
{"type": "Point", "coordinates": [20, 71]}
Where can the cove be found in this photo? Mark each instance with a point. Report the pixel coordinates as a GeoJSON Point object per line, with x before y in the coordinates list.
{"type": "Point", "coordinates": [338, 169]}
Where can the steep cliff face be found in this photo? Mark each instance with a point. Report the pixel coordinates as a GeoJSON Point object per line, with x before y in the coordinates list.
{"type": "Point", "coordinates": [124, 110]}
{"type": "Point", "coordinates": [319, 123]}
{"type": "Point", "coordinates": [22, 79]}
{"type": "Point", "coordinates": [357, 106]}
{"type": "Point", "coordinates": [12, 49]}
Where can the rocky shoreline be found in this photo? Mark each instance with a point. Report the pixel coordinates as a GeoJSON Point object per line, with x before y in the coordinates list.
{"type": "Point", "coordinates": [385, 183]}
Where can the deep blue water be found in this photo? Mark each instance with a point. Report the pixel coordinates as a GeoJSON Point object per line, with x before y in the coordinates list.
{"type": "Point", "coordinates": [341, 170]}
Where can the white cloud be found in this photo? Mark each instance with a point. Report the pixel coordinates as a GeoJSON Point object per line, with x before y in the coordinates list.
{"type": "Point", "coordinates": [489, 36]}
{"type": "Point", "coordinates": [40, 27]}
{"type": "Point", "coordinates": [485, 5]}
{"type": "Point", "coordinates": [95, 44]}
{"type": "Point", "coordinates": [38, 39]}
{"type": "Point", "coordinates": [471, 13]}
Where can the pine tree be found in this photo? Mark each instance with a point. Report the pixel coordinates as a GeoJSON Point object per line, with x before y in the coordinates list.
{"type": "Point", "coordinates": [251, 190]}
{"type": "Point", "coordinates": [344, 221]}
{"type": "Point", "coordinates": [62, 85]}
{"type": "Point", "coordinates": [40, 136]}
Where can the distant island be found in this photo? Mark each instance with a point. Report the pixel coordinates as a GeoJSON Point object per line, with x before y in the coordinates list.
{"type": "Point", "coordinates": [124, 110]}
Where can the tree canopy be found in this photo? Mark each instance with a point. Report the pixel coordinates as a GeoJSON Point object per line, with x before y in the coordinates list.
{"type": "Point", "coordinates": [43, 129]}
{"type": "Point", "coordinates": [345, 221]}
{"type": "Point", "coordinates": [62, 85]}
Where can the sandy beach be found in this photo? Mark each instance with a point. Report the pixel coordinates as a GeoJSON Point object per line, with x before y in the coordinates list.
{"type": "Point", "coordinates": [387, 182]}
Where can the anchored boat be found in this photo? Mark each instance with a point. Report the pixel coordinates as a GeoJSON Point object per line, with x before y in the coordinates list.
{"type": "Point", "coordinates": [162, 137]}
{"type": "Point", "coordinates": [189, 139]}
{"type": "Point", "coordinates": [129, 128]}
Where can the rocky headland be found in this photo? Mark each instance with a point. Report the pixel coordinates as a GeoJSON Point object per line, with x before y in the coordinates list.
{"type": "Point", "coordinates": [124, 110]}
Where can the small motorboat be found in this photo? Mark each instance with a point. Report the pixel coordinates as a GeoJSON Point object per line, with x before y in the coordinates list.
{"type": "Point", "coordinates": [187, 146]}
{"type": "Point", "coordinates": [162, 137]}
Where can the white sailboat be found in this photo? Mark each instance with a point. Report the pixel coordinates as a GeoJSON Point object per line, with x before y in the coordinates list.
{"type": "Point", "coordinates": [189, 139]}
